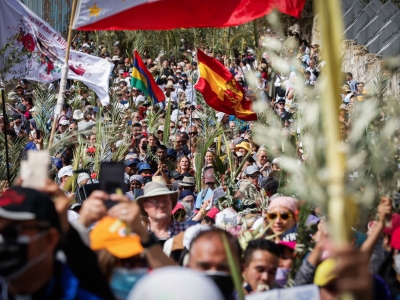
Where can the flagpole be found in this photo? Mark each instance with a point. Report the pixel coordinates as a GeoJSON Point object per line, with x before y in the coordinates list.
{"type": "Point", "coordinates": [64, 74]}
{"type": "Point", "coordinates": [3, 89]}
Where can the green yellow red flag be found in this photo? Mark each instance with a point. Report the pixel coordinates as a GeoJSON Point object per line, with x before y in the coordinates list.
{"type": "Point", "coordinates": [220, 89]}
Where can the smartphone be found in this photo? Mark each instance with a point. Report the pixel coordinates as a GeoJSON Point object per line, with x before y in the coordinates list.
{"type": "Point", "coordinates": [35, 170]}
{"type": "Point", "coordinates": [147, 179]}
{"type": "Point", "coordinates": [137, 193]}
{"type": "Point", "coordinates": [38, 134]}
{"type": "Point", "coordinates": [112, 180]}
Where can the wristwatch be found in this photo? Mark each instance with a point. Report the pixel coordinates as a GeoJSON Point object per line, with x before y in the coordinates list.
{"type": "Point", "coordinates": [153, 240]}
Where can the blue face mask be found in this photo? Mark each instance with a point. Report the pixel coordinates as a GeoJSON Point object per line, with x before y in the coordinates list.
{"type": "Point", "coordinates": [282, 276]}
{"type": "Point", "coordinates": [123, 280]}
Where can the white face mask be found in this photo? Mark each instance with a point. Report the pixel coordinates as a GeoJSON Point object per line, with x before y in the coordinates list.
{"type": "Point", "coordinates": [396, 266]}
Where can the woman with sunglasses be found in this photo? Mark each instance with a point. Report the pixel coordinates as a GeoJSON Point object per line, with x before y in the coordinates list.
{"type": "Point", "coordinates": [281, 215]}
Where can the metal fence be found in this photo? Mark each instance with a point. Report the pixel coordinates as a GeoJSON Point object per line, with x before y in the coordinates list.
{"type": "Point", "coordinates": [56, 12]}
{"type": "Point", "coordinates": [376, 25]}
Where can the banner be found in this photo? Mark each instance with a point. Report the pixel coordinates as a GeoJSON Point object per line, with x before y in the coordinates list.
{"type": "Point", "coordinates": [170, 14]}
{"type": "Point", "coordinates": [36, 51]}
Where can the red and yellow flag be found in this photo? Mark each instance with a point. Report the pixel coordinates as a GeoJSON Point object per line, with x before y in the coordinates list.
{"type": "Point", "coordinates": [220, 89]}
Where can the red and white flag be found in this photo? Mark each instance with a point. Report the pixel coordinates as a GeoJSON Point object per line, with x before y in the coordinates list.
{"type": "Point", "coordinates": [40, 52]}
{"type": "Point", "coordinates": [169, 14]}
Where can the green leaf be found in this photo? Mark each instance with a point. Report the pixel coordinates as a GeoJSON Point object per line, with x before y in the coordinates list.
{"type": "Point", "coordinates": [234, 268]}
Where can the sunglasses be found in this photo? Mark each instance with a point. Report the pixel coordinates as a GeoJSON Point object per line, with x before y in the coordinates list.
{"type": "Point", "coordinates": [179, 142]}
{"type": "Point", "coordinates": [192, 133]}
{"type": "Point", "coordinates": [184, 122]}
{"type": "Point", "coordinates": [255, 175]}
{"type": "Point", "coordinates": [282, 215]}
{"type": "Point", "coordinates": [17, 122]}
{"type": "Point", "coordinates": [172, 127]}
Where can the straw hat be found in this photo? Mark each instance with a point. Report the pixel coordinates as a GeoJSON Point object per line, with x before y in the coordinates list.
{"type": "Point", "coordinates": [160, 179]}
{"type": "Point", "coordinates": [154, 189]}
{"type": "Point", "coordinates": [169, 86]}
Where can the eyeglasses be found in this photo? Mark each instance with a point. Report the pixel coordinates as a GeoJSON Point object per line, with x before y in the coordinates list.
{"type": "Point", "coordinates": [282, 215]}
{"type": "Point", "coordinates": [192, 133]}
{"type": "Point", "coordinates": [157, 203]}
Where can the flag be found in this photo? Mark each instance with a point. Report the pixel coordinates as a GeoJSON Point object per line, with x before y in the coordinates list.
{"type": "Point", "coordinates": [220, 89]}
{"type": "Point", "coordinates": [169, 14]}
{"type": "Point", "coordinates": [38, 52]}
{"type": "Point", "coordinates": [142, 80]}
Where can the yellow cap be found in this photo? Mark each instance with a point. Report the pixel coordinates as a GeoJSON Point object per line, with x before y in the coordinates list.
{"type": "Point", "coordinates": [110, 234]}
{"type": "Point", "coordinates": [324, 273]}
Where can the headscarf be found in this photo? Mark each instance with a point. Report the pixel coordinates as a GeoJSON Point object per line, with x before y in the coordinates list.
{"type": "Point", "coordinates": [288, 202]}
{"type": "Point", "coordinates": [184, 194]}
{"type": "Point", "coordinates": [136, 177]}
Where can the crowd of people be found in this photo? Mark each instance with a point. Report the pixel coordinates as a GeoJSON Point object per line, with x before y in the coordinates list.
{"type": "Point", "coordinates": [171, 236]}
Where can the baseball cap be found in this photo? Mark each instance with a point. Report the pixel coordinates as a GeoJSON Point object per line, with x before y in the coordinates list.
{"type": "Point", "coordinates": [131, 161]}
{"type": "Point", "coordinates": [289, 238]}
{"type": "Point", "coordinates": [111, 234]}
{"type": "Point", "coordinates": [171, 152]}
{"type": "Point", "coordinates": [395, 224]}
{"type": "Point", "coordinates": [395, 240]}
{"type": "Point", "coordinates": [144, 167]}
{"type": "Point", "coordinates": [64, 122]}
{"type": "Point", "coordinates": [65, 171]}
{"type": "Point", "coordinates": [131, 155]}
{"type": "Point", "coordinates": [21, 107]}
{"type": "Point", "coordinates": [23, 204]}
{"type": "Point", "coordinates": [209, 176]}
{"type": "Point", "coordinates": [251, 170]}
{"type": "Point", "coordinates": [160, 128]}
{"type": "Point", "coordinates": [177, 206]}
{"type": "Point", "coordinates": [324, 273]}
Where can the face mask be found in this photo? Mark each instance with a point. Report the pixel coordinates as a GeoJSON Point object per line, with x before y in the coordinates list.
{"type": "Point", "coordinates": [223, 280]}
{"type": "Point", "coordinates": [14, 255]}
{"type": "Point", "coordinates": [281, 276]}
{"type": "Point", "coordinates": [123, 280]}
{"type": "Point", "coordinates": [397, 263]}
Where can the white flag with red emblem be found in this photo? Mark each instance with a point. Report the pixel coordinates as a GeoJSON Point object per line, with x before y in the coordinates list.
{"type": "Point", "coordinates": [39, 52]}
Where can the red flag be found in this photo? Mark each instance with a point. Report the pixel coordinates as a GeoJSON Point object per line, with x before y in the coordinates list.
{"type": "Point", "coordinates": [220, 89]}
{"type": "Point", "coordinates": [169, 14]}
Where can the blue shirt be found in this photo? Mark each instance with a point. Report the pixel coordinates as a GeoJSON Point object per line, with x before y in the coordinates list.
{"type": "Point", "coordinates": [200, 200]}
